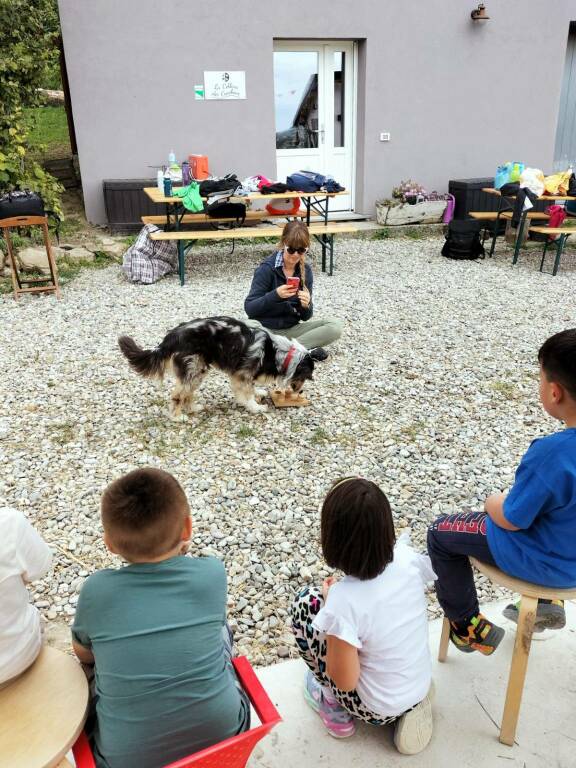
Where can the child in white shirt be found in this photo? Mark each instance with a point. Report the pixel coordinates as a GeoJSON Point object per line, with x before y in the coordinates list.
{"type": "Point", "coordinates": [24, 557]}
{"type": "Point", "coordinates": [365, 637]}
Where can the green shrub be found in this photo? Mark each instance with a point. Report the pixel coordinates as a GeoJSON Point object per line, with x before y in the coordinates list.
{"type": "Point", "coordinates": [27, 53]}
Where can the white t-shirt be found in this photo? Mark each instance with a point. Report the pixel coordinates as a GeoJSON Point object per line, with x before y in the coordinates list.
{"type": "Point", "coordinates": [24, 556]}
{"type": "Point", "coordinates": [386, 619]}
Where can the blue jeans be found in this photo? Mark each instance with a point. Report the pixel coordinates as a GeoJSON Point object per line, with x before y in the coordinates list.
{"type": "Point", "coordinates": [452, 539]}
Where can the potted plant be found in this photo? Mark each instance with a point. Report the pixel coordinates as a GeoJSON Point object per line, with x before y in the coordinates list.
{"type": "Point", "coordinates": [410, 204]}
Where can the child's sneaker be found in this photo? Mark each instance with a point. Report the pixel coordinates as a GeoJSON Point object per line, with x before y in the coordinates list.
{"type": "Point", "coordinates": [550, 614]}
{"type": "Point", "coordinates": [414, 729]}
{"type": "Point", "coordinates": [338, 721]}
{"type": "Point", "coordinates": [480, 635]}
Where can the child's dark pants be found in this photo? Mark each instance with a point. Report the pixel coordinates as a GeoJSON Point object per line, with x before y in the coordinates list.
{"type": "Point", "coordinates": [452, 539]}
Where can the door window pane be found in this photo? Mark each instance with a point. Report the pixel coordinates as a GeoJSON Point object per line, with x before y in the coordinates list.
{"type": "Point", "coordinates": [339, 100]}
{"type": "Point", "coordinates": [296, 98]}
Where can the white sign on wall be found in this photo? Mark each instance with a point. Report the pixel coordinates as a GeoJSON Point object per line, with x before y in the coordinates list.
{"type": "Point", "coordinates": [225, 85]}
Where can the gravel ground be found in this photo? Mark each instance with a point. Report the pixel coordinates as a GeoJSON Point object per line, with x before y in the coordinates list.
{"type": "Point", "coordinates": [432, 392]}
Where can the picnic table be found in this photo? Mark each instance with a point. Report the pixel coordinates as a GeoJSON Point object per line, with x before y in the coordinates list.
{"type": "Point", "coordinates": [314, 202]}
{"type": "Point", "coordinates": [505, 205]}
{"type": "Point", "coordinates": [176, 216]}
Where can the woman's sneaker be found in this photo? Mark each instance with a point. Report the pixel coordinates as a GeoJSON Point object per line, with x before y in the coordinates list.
{"type": "Point", "coordinates": [480, 635]}
{"type": "Point", "coordinates": [550, 614]}
{"type": "Point", "coordinates": [338, 721]}
{"type": "Point", "coordinates": [414, 729]}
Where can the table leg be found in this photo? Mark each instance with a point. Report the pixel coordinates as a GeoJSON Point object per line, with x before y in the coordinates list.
{"type": "Point", "coordinates": [519, 236]}
{"type": "Point", "coordinates": [307, 204]}
{"type": "Point", "coordinates": [331, 246]}
{"type": "Point", "coordinates": [559, 248]}
{"type": "Point", "coordinates": [181, 261]}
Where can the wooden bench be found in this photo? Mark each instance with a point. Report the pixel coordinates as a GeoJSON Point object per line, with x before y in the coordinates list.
{"type": "Point", "coordinates": [560, 235]}
{"type": "Point", "coordinates": [203, 218]}
{"type": "Point", "coordinates": [495, 217]}
{"type": "Point", "coordinates": [323, 233]}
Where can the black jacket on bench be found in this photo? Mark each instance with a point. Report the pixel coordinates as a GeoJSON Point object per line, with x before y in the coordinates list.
{"type": "Point", "coordinates": [264, 304]}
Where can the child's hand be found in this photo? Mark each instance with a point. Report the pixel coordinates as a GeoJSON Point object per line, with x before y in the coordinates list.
{"type": "Point", "coordinates": [326, 584]}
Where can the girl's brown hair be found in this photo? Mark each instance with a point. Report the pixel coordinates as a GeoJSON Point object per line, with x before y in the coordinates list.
{"type": "Point", "coordinates": [295, 235]}
{"type": "Point", "coordinates": [356, 528]}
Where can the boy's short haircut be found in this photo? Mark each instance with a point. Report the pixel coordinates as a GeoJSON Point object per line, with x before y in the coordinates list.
{"type": "Point", "coordinates": [356, 528]}
{"type": "Point", "coordinates": [143, 513]}
{"type": "Point", "coordinates": [557, 356]}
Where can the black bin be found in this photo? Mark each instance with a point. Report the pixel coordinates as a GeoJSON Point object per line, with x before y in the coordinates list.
{"type": "Point", "coordinates": [125, 202]}
{"type": "Point", "coordinates": [468, 196]}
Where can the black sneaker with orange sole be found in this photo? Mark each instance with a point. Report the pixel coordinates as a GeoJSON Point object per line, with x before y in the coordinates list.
{"type": "Point", "coordinates": [480, 635]}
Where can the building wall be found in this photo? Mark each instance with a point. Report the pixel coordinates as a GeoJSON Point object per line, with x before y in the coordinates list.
{"type": "Point", "coordinates": [457, 97]}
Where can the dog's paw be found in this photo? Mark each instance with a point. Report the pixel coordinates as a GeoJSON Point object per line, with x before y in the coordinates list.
{"type": "Point", "coordinates": [193, 407]}
{"type": "Point", "coordinates": [260, 391]}
{"type": "Point", "coordinates": [177, 416]}
{"type": "Point", "coordinates": [254, 407]}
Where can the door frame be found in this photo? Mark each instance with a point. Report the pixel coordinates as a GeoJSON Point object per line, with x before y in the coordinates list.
{"type": "Point", "coordinates": [298, 44]}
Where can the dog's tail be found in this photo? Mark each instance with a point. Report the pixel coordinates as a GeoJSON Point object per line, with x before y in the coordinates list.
{"type": "Point", "coordinates": [150, 363]}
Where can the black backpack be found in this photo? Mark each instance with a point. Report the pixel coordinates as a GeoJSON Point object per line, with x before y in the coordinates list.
{"type": "Point", "coordinates": [463, 240]}
{"type": "Point", "coordinates": [225, 210]}
{"type": "Point", "coordinates": [225, 186]}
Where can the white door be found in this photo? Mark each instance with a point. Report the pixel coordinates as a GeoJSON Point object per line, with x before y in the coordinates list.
{"type": "Point", "coordinates": [314, 98]}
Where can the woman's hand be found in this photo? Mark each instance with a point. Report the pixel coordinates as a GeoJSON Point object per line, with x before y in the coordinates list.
{"type": "Point", "coordinates": [304, 297]}
{"type": "Point", "coordinates": [326, 584]}
{"type": "Point", "coordinates": [286, 291]}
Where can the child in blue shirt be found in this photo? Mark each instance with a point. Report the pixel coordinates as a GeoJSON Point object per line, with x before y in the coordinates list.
{"type": "Point", "coordinates": [529, 532]}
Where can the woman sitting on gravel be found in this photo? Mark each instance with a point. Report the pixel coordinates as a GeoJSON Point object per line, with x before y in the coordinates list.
{"type": "Point", "coordinates": [365, 638]}
{"type": "Point", "coordinates": [280, 296]}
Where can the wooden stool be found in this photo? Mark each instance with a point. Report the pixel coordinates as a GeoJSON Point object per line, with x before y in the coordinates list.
{"type": "Point", "coordinates": [42, 712]}
{"type": "Point", "coordinates": [38, 284]}
{"type": "Point", "coordinates": [529, 594]}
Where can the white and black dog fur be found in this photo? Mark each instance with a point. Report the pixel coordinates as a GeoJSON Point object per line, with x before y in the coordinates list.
{"type": "Point", "coordinates": [247, 355]}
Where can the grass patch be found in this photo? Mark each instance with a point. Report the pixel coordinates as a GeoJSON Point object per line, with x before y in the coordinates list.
{"type": "Point", "coordinates": [381, 234]}
{"type": "Point", "coordinates": [504, 388]}
{"type": "Point", "coordinates": [63, 433]}
{"type": "Point", "coordinates": [415, 233]}
{"type": "Point", "coordinates": [319, 436]}
{"type": "Point", "coordinates": [49, 132]}
{"type": "Point", "coordinates": [245, 431]}
{"type": "Point", "coordinates": [411, 431]}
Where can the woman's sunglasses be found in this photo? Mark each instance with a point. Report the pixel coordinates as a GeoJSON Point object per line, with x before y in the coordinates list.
{"type": "Point", "coordinates": [292, 251]}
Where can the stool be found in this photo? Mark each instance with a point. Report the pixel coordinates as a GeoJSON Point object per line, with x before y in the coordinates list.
{"type": "Point", "coordinates": [42, 712]}
{"type": "Point", "coordinates": [529, 594]}
{"type": "Point", "coordinates": [38, 284]}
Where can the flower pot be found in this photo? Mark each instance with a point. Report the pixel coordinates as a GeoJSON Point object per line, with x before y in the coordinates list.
{"type": "Point", "coordinates": [428, 212]}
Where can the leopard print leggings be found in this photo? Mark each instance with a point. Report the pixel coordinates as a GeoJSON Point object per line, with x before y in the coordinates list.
{"type": "Point", "coordinates": [312, 648]}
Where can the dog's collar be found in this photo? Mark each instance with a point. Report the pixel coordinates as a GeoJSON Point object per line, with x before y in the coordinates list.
{"type": "Point", "coordinates": [287, 359]}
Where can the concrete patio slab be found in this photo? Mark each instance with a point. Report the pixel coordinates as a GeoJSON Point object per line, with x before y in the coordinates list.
{"type": "Point", "coordinates": [468, 706]}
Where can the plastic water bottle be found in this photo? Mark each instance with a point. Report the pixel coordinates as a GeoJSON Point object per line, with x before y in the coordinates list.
{"type": "Point", "coordinates": [171, 158]}
{"type": "Point", "coordinates": [160, 180]}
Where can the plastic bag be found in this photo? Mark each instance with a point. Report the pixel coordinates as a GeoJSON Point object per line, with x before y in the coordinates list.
{"type": "Point", "coordinates": [533, 179]}
{"type": "Point", "coordinates": [507, 173]}
{"type": "Point", "coordinates": [558, 183]}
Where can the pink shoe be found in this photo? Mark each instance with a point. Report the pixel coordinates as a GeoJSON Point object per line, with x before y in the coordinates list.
{"type": "Point", "coordinates": [338, 721]}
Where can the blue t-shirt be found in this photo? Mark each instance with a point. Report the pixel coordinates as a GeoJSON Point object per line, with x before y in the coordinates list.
{"type": "Point", "coordinates": [542, 503]}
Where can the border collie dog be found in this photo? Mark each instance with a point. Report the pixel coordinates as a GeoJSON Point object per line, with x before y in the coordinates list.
{"type": "Point", "coordinates": [247, 355]}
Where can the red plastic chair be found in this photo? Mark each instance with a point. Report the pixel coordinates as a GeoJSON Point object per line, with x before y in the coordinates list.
{"type": "Point", "coordinates": [231, 753]}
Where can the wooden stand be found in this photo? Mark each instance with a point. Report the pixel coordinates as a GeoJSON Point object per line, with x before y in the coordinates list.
{"type": "Point", "coordinates": [37, 284]}
{"type": "Point", "coordinates": [287, 399]}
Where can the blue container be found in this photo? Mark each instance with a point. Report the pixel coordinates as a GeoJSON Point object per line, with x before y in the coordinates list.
{"type": "Point", "coordinates": [167, 187]}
